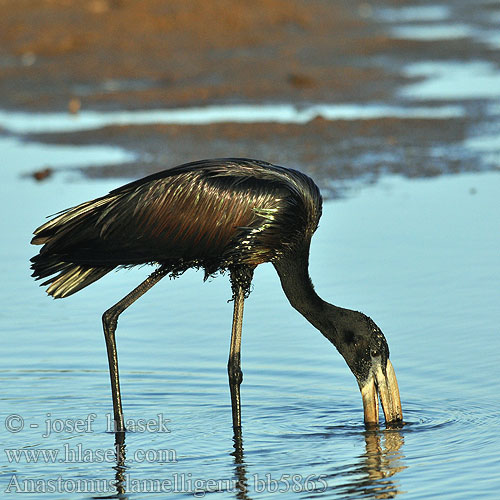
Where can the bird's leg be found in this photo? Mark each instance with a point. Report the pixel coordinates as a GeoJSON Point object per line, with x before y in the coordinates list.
{"type": "Point", "coordinates": [109, 322]}
{"type": "Point", "coordinates": [234, 363]}
{"type": "Point", "coordinates": [240, 281]}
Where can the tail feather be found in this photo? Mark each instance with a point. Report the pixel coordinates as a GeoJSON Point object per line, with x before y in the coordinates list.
{"type": "Point", "coordinates": [73, 279]}
{"type": "Point", "coordinates": [67, 222]}
{"type": "Point", "coordinates": [61, 237]}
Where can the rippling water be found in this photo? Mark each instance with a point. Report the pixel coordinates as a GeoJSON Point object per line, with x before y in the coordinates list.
{"type": "Point", "coordinates": [420, 257]}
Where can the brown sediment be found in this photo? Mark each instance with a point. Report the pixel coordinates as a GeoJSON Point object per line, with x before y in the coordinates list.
{"type": "Point", "coordinates": [339, 150]}
{"type": "Point", "coordinates": [74, 56]}
{"type": "Point", "coordinates": [128, 54]}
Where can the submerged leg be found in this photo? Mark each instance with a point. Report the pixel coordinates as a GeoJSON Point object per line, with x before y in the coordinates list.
{"type": "Point", "coordinates": [240, 281]}
{"type": "Point", "coordinates": [109, 323]}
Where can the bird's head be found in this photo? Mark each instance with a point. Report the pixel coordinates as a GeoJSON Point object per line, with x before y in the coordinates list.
{"type": "Point", "coordinates": [365, 349]}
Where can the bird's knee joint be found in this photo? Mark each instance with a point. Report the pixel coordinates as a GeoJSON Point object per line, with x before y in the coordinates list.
{"type": "Point", "coordinates": [109, 320]}
{"type": "Point", "coordinates": [235, 374]}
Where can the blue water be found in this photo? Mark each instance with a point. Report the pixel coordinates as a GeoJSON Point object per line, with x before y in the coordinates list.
{"type": "Point", "coordinates": [421, 257]}
{"type": "Point", "coordinates": [23, 122]}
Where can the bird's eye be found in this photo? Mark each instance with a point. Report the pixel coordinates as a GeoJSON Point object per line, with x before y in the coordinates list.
{"type": "Point", "coordinates": [374, 353]}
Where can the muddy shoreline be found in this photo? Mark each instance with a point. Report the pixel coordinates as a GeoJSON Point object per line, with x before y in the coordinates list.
{"type": "Point", "coordinates": [342, 150]}
{"type": "Point", "coordinates": [63, 55]}
{"type": "Point", "coordinates": [115, 54]}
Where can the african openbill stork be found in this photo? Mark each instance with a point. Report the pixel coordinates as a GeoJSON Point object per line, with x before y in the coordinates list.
{"type": "Point", "coordinates": [221, 214]}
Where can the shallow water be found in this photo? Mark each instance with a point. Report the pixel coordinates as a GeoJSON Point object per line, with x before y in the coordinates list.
{"type": "Point", "coordinates": [445, 22]}
{"type": "Point", "coordinates": [23, 123]}
{"type": "Point", "coordinates": [420, 257]}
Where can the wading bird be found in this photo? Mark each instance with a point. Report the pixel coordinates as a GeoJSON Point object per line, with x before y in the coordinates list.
{"type": "Point", "coordinates": [223, 214]}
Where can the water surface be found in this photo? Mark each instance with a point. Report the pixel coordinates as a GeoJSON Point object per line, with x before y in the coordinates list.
{"type": "Point", "coordinates": [22, 123]}
{"type": "Point", "coordinates": [420, 257]}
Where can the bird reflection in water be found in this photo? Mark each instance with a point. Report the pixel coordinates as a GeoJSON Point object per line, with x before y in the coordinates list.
{"type": "Point", "coordinates": [120, 467]}
{"type": "Point", "coordinates": [372, 476]}
{"type": "Point", "coordinates": [240, 482]}
{"type": "Point", "coordinates": [240, 469]}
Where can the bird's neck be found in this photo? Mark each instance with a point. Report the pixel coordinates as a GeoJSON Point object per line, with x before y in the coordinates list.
{"type": "Point", "coordinates": [298, 288]}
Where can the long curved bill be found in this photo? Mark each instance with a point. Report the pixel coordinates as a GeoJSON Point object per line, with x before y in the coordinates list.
{"type": "Point", "coordinates": [382, 383]}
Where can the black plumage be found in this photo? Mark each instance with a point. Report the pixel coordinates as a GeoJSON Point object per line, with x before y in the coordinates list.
{"type": "Point", "coordinates": [214, 214]}
{"type": "Point", "coordinates": [224, 214]}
